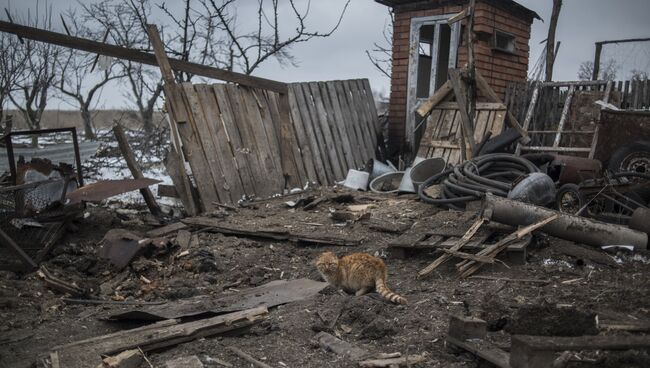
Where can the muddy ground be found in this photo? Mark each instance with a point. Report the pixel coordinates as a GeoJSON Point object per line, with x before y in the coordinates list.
{"type": "Point", "coordinates": [33, 319]}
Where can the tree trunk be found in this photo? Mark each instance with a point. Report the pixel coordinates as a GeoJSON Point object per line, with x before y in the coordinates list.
{"type": "Point", "coordinates": [550, 40]}
{"type": "Point", "coordinates": [88, 124]}
{"type": "Point", "coordinates": [147, 121]}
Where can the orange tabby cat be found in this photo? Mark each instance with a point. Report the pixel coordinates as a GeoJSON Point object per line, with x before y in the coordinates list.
{"type": "Point", "coordinates": [357, 273]}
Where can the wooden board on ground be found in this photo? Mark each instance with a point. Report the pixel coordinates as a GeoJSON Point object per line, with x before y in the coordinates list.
{"type": "Point", "coordinates": [270, 295]}
{"type": "Point", "coordinates": [89, 352]}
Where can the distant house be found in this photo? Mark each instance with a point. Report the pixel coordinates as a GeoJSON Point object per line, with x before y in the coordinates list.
{"type": "Point", "coordinates": [425, 47]}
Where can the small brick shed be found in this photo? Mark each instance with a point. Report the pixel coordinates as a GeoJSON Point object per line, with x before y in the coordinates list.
{"type": "Point", "coordinates": [425, 47]}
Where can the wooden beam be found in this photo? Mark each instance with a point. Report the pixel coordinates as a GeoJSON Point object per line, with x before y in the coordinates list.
{"type": "Point", "coordinates": [127, 153]}
{"type": "Point", "coordinates": [466, 121]}
{"type": "Point", "coordinates": [439, 95]}
{"type": "Point", "coordinates": [550, 40]}
{"type": "Point", "coordinates": [177, 106]}
{"type": "Point", "coordinates": [137, 56]}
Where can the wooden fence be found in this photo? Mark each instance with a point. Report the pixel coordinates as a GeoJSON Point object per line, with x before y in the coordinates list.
{"type": "Point", "coordinates": [629, 95]}
{"type": "Point", "coordinates": [233, 139]}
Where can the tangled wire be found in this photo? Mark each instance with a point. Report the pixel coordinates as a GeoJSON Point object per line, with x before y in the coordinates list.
{"type": "Point", "coordinates": [470, 180]}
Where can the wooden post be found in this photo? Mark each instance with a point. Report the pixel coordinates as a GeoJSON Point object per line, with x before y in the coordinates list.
{"type": "Point", "coordinates": [550, 40]}
{"type": "Point", "coordinates": [466, 122]}
{"type": "Point", "coordinates": [596, 71]}
{"type": "Point", "coordinates": [179, 114]}
{"type": "Point", "coordinates": [135, 169]}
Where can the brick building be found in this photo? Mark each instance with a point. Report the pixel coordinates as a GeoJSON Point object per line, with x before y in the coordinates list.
{"type": "Point", "coordinates": [425, 47]}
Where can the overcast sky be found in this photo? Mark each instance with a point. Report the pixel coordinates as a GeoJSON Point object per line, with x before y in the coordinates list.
{"type": "Point", "coordinates": [342, 56]}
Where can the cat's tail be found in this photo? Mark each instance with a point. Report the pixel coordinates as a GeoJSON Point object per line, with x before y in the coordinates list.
{"type": "Point", "coordinates": [386, 293]}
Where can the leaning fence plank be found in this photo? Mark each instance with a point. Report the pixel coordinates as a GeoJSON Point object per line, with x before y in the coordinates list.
{"type": "Point", "coordinates": [200, 125]}
{"type": "Point", "coordinates": [360, 121]}
{"type": "Point", "coordinates": [232, 180]}
{"type": "Point", "coordinates": [322, 96]}
{"type": "Point", "coordinates": [196, 157]}
{"type": "Point", "coordinates": [563, 117]}
{"type": "Point", "coordinates": [241, 124]}
{"type": "Point", "coordinates": [352, 162]}
{"type": "Point", "coordinates": [529, 113]}
{"type": "Point", "coordinates": [272, 173]}
{"type": "Point", "coordinates": [231, 131]}
{"type": "Point", "coordinates": [362, 105]}
{"type": "Point", "coordinates": [312, 127]}
{"type": "Point", "coordinates": [308, 156]}
{"type": "Point", "coordinates": [295, 166]}
{"type": "Point", "coordinates": [351, 125]}
{"type": "Point", "coordinates": [372, 109]}
{"type": "Point", "coordinates": [330, 142]}
{"type": "Point", "coordinates": [268, 134]}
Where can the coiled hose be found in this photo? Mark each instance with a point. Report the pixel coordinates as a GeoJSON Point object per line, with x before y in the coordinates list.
{"type": "Point", "coordinates": [469, 181]}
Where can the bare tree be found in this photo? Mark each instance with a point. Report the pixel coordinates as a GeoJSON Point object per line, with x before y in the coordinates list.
{"type": "Point", "coordinates": [79, 78]}
{"type": "Point", "coordinates": [208, 31]}
{"type": "Point", "coordinates": [125, 20]}
{"type": "Point", "coordinates": [638, 74]}
{"type": "Point", "coordinates": [381, 55]}
{"type": "Point", "coordinates": [33, 87]}
{"type": "Point", "coordinates": [12, 64]}
{"type": "Point", "coordinates": [608, 70]}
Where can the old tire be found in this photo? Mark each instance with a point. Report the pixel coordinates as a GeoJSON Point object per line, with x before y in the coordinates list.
{"type": "Point", "coordinates": [631, 157]}
{"type": "Point", "coordinates": [569, 199]}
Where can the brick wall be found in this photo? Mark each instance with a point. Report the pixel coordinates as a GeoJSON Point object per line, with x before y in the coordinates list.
{"type": "Point", "coordinates": [496, 66]}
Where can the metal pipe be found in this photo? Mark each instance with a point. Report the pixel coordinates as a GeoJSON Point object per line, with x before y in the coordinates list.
{"type": "Point", "coordinates": [569, 227]}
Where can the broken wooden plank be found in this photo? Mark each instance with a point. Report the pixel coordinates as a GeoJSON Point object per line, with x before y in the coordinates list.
{"type": "Point", "coordinates": [405, 361]}
{"type": "Point", "coordinates": [183, 238]}
{"type": "Point", "coordinates": [126, 359]}
{"type": "Point", "coordinates": [339, 347]}
{"type": "Point", "coordinates": [468, 256]}
{"type": "Point", "coordinates": [507, 279]}
{"type": "Point", "coordinates": [484, 350]}
{"type": "Point", "coordinates": [133, 166]}
{"type": "Point", "coordinates": [216, 225]}
{"type": "Point", "coordinates": [466, 121]}
{"type": "Point", "coordinates": [166, 230]}
{"type": "Point", "coordinates": [539, 351]}
{"type": "Point", "coordinates": [247, 357]}
{"type": "Point", "coordinates": [468, 268]}
{"type": "Point", "coordinates": [464, 240]}
{"type": "Point", "coordinates": [175, 103]}
{"type": "Point", "coordinates": [88, 353]}
{"type": "Point", "coordinates": [270, 295]}
{"type": "Point", "coordinates": [437, 97]}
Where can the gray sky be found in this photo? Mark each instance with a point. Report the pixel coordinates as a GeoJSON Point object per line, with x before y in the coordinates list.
{"type": "Point", "coordinates": [342, 56]}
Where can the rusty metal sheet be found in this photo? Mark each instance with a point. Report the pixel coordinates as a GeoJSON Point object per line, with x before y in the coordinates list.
{"type": "Point", "coordinates": [104, 189]}
{"type": "Point", "coordinates": [271, 294]}
{"type": "Point", "coordinates": [119, 246]}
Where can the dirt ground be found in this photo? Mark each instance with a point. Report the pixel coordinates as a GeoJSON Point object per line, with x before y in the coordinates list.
{"type": "Point", "coordinates": [33, 319]}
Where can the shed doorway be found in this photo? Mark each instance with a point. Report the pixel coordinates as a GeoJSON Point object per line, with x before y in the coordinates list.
{"type": "Point", "coordinates": [433, 50]}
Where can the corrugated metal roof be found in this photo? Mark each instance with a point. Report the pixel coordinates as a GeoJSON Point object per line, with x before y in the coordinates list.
{"type": "Point", "coordinates": [56, 153]}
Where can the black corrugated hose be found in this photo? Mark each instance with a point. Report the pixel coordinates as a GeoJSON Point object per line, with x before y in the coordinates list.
{"type": "Point", "coordinates": [470, 180]}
